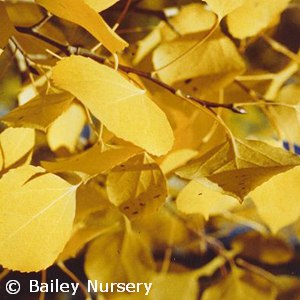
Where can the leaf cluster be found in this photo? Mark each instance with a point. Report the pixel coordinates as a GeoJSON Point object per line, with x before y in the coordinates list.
{"type": "Point", "coordinates": [147, 143]}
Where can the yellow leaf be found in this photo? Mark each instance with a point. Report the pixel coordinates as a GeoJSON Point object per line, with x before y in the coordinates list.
{"type": "Point", "coordinates": [95, 216]}
{"type": "Point", "coordinates": [16, 146]}
{"type": "Point", "coordinates": [123, 108]}
{"type": "Point", "coordinates": [245, 154]}
{"type": "Point", "coordinates": [7, 29]}
{"type": "Point", "coordinates": [100, 5]}
{"type": "Point", "coordinates": [79, 12]}
{"type": "Point", "coordinates": [92, 161]}
{"type": "Point", "coordinates": [137, 187]}
{"type": "Point", "coordinates": [217, 56]}
{"type": "Point", "coordinates": [177, 159]}
{"type": "Point", "coordinates": [175, 286]}
{"type": "Point", "coordinates": [147, 44]}
{"type": "Point", "coordinates": [193, 18]}
{"type": "Point", "coordinates": [39, 112]}
{"type": "Point", "coordinates": [287, 118]}
{"type": "Point", "coordinates": [90, 198]}
{"type": "Point", "coordinates": [168, 224]}
{"type": "Point", "coordinates": [195, 198]}
{"type": "Point", "coordinates": [241, 285]}
{"type": "Point", "coordinates": [193, 128]}
{"type": "Point", "coordinates": [36, 218]}
{"type": "Point", "coordinates": [66, 129]}
{"type": "Point", "coordinates": [224, 7]}
{"type": "Point", "coordinates": [103, 259]}
{"type": "Point", "coordinates": [136, 256]}
{"type": "Point", "coordinates": [277, 200]}
{"type": "Point", "coordinates": [119, 257]}
{"type": "Point", "coordinates": [240, 22]}
{"type": "Point", "coordinates": [239, 170]}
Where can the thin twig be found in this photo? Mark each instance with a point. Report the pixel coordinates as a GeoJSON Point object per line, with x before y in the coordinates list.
{"type": "Point", "coordinates": [43, 280]}
{"type": "Point", "coordinates": [63, 267]}
{"type": "Point", "coordinates": [4, 273]}
{"type": "Point", "coordinates": [256, 270]}
{"type": "Point", "coordinates": [68, 50]}
{"type": "Point", "coordinates": [123, 13]}
{"type": "Point", "coordinates": [281, 48]}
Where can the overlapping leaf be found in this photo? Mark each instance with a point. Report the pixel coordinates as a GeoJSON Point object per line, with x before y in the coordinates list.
{"type": "Point", "coordinates": [79, 12]}
{"type": "Point", "coordinates": [123, 108]}
{"type": "Point", "coordinates": [223, 8]}
{"type": "Point", "coordinates": [277, 200]}
{"type": "Point", "coordinates": [240, 21]}
{"type": "Point", "coordinates": [16, 146]}
{"type": "Point", "coordinates": [93, 161]}
{"type": "Point", "coordinates": [119, 257]}
{"type": "Point", "coordinates": [196, 198]}
{"type": "Point", "coordinates": [100, 5]}
{"type": "Point", "coordinates": [240, 169]}
{"type": "Point", "coordinates": [217, 56]}
{"type": "Point", "coordinates": [137, 187]}
{"type": "Point", "coordinates": [66, 129]}
{"type": "Point", "coordinates": [39, 112]}
{"type": "Point", "coordinates": [37, 212]}
{"type": "Point", "coordinates": [7, 29]}
{"type": "Point", "coordinates": [95, 216]}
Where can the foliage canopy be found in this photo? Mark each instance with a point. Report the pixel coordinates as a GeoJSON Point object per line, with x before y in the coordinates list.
{"type": "Point", "coordinates": [155, 138]}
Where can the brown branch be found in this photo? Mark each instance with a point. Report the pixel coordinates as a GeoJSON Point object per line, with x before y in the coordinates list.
{"type": "Point", "coordinates": [124, 12]}
{"type": "Point", "coordinates": [68, 50]}
{"type": "Point", "coordinates": [174, 91]}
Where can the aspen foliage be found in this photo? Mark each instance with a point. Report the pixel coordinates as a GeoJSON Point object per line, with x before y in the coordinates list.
{"type": "Point", "coordinates": [156, 140]}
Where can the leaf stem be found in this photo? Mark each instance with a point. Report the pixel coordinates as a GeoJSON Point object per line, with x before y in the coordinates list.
{"type": "Point", "coordinates": [3, 274]}
{"type": "Point", "coordinates": [67, 271]}
{"type": "Point", "coordinates": [43, 280]}
{"type": "Point", "coordinates": [256, 270]}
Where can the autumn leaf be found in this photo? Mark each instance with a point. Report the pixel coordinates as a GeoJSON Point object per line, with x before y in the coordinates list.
{"type": "Point", "coordinates": [192, 18]}
{"type": "Point", "coordinates": [176, 159]}
{"type": "Point", "coordinates": [126, 258]}
{"type": "Point", "coordinates": [137, 187]}
{"type": "Point", "coordinates": [184, 285]}
{"type": "Point", "coordinates": [170, 226]}
{"type": "Point", "coordinates": [92, 161]}
{"type": "Point", "coordinates": [95, 216]}
{"type": "Point", "coordinates": [216, 56]}
{"type": "Point", "coordinates": [249, 163]}
{"type": "Point", "coordinates": [39, 209]}
{"type": "Point", "coordinates": [244, 154]}
{"type": "Point", "coordinates": [16, 146]}
{"type": "Point", "coordinates": [39, 112]}
{"type": "Point", "coordinates": [223, 8]}
{"type": "Point", "coordinates": [100, 5]}
{"type": "Point", "coordinates": [197, 198]}
{"type": "Point", "coordinates": [123, 108]}
{"type": "Point", "coordinates": [65, 131]}
{"type": "Point", "coordinates": [161, 160]}
{"type": "Point", "coordinates": [7, 28]}
{"type": "Point", "coordinates": [287, 115]}
{"type": "Point", "coordinates": [79, 12]}
{"type": "Point", "coordinates": [281, 193]}
{"type": "Point", "coordinates": [240, 21]}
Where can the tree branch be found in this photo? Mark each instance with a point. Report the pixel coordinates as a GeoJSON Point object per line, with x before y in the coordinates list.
{"type": "Point", "coordinates": [69, 50]}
